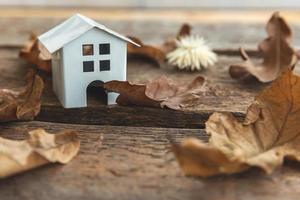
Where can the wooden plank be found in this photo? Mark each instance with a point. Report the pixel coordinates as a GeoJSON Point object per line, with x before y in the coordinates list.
{"type": "Point", "coordinates": [240, 34]}
{"type": "Point", "coordinates": [135, 163]}
{"type": "Point", "coordinates": [229, 96]}
{"type": "Point", "coordinates": [211, 16]}
{"type": "Point", "coordinates": [211, 25]}
{"type": "Point", "coordinates": [216, 4]}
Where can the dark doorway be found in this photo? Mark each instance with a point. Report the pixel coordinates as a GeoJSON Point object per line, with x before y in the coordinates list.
{"type": "Point", "coordinates": [96, 94]}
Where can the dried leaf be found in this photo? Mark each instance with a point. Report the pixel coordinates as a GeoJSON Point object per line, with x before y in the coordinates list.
{"type": "Point", "coordinates": [131, 94]}
{"type": "Point", "coordinates": [170, 44]}
{"type": "Point", "coordinates": [39, 149]}
{"type": "Point", "coordinates": [161, 92]}
{"type": "Point", "coordinates": [34, 53]}
{"type": "Point", "coordinates": [156, 53]}
{"type": "Point", "coordinates": [147, 51]}
{"type": "Point", "coordinates": [277, 53]}
{"type": "Point", "coordinates": [23, 105]}
{"type": "Point", "coordinates": [268, 135]}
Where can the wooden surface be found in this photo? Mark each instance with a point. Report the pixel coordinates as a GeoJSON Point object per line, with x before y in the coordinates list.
{"type": "Point", "coordinates": [125, 150]}
{"type": "Point", "coordinates": [160, 4]}
{"type": "Point", "coordinates": [227, 91]}
{"type": "Point", "coordinates": [135, 163]}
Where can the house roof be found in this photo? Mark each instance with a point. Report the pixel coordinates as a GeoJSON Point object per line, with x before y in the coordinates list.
{"type": "Point", "coordinates": [71, 29]}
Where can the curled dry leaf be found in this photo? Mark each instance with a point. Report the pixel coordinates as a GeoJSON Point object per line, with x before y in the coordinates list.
{"type": "Point", "coordinates": [268, 135]}
{"type": "Point", "coordinates": [34, 53]}
{"type": "Point", "coordinates": [39, 149]}
{"type": "Point", "coordinates": [161, 92]}
{"type": "Point", "coordinates": [148, 51]}
{"type": "Point", "coordinates": [170, 44]}
{"type": "Point", "coordinates": [277, 53]}
{"type": "Point", "coordinates": [24, 105]}
{"type": "Point", "coordinates": [156, 53]}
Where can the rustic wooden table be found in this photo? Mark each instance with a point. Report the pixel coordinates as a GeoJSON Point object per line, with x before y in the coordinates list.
{"type": "Point", "coordinates": [125, 150]}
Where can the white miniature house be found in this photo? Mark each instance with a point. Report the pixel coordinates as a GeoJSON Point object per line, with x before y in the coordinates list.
{"type": "Point", "coordinates": [84, 51]}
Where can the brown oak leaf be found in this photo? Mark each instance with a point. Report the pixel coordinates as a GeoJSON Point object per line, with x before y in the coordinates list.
{"type": "Point", "coordinates": [161, 92]}
{"type": "Point", "coordinates": [156, 53]}
{"type": "Point", "coordinates": [39, 149]}
{"type": "Point", "coordinates": [34, 53]}
{"type": "Point", "coordinates": [24, 105]}
{"type": "Point", "coordinates": [278, 55]}
{"type": "Point", "coordinates": [268, 135]}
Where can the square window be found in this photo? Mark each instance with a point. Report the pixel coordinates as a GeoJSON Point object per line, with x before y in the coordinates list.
{"type": "Point", "coordinates": [104, 65]}
{"type": "Point", "coordinates": [87, 49]}
{"type": "Point", "coordinates": [88, 66]}
{"type": "Point", "coordinates": [104, 49]}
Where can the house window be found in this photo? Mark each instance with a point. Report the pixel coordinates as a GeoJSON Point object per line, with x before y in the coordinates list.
{"type": "Point", "coordinates": [88, 66]}
{"type": "Point", "coordinates": [87, 49]}
{"type": "Point", "coordinates": [104, 65]}
{"type": "Point", "coordinates": [104, 49]}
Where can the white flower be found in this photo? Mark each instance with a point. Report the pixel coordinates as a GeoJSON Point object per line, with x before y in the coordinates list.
{"type": "Point", "coordinates": [192, 53]}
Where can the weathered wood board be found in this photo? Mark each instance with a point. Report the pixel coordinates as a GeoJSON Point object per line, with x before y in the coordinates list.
{"type": "Point", "coordinates": [135, 163]}
{"type": "Point", "coordinates": [229, 96]}
{"type": "Point", "coordinates": [219, 31]}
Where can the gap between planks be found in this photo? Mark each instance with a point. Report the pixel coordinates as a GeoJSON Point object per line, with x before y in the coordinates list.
{"type": "Point", "coordinates": [219, 51]}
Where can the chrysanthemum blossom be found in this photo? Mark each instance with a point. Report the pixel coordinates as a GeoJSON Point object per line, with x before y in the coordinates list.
{"type": "Point", "coordinates": [192, 53]}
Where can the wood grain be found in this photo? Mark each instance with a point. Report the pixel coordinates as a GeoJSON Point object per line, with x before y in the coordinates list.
{"type": "Point", "coordinates": [135, 163]}
{"type": "Point", "coordinates": [124, 162]}
{"type": "Point", "coordinates": [228, 96]}
{"type": "Point", "coordinates": [157, 4]}
{"type": "Point", "coordinates": [240, 34]}
{"type": "Point", "coordinates": [211, 16]}
{"type": "Point", "coordinates": [242, 30]}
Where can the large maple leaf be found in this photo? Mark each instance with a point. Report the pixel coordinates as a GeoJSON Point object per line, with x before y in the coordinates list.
{"type": "Point", "coordinates": [269, 134]}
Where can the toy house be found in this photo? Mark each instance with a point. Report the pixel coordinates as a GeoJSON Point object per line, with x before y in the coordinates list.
{"type": "Point", "coordinates": [84, 51]}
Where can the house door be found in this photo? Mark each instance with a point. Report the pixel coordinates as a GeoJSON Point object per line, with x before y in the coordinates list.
{"type": "Point", "coordinates": [96, 94]}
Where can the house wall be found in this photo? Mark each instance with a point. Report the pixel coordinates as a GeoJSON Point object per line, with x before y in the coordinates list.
{"type": "Point", "coordinates": [57, 74]}
{"type": "Point", "coordinates": [75, 80]}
